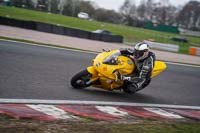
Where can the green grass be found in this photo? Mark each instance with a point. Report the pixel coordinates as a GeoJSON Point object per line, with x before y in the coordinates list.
{"type": "Point", "coordinates": [8, 125]}
{"type": "Point", "coordinates": [131, 34]}
{"type": "Point", "coordinates": [157, 128]}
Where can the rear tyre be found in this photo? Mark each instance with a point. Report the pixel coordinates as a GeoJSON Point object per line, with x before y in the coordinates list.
{"type": "Point", "coordinates": [80, 79]}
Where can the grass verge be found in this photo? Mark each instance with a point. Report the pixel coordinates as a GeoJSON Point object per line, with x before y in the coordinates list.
{"type": "Point", "coordinates": [8, 125]}
{"type": "Point", "coordinates": [131, 34]}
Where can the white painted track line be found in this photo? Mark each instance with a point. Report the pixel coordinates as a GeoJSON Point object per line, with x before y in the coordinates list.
{"type": "Point", "coordinates": [52, 111]}
{"type": "Point", "coordinates": [54, 102]}
{"type": "Point", "coordinates": [164, 113]}
{"type": "Point", "coordinates": [180, 64]}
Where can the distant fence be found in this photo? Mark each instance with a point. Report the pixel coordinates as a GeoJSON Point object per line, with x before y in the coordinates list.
{"type": "Point", "coordinates": [161, 27]}
{"type": "Point", "coordinates": [50, 28]}
{"type": "Point", "coordinates": [163, 46]}
{"type": "Point", "coordinates": [189, 32]}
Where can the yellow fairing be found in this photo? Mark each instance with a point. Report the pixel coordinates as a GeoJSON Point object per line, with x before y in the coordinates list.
{"type": "Point", "coordinates": [105, 72]}
{"type": "Point", "coordinates": [124, 65]}
{"type": "Point", "coordinates": [158, 68]}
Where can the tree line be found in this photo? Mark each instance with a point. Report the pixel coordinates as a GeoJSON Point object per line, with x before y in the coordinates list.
{"type": "Point", "coordinates": [162, 12]}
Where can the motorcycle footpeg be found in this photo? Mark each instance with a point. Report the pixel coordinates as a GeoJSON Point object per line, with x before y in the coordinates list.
{"type": "Point", "coordinates": [89, 82]}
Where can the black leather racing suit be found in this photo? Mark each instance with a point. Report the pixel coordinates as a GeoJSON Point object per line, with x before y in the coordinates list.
{"type": "Point", "coordinates": [143, 71]}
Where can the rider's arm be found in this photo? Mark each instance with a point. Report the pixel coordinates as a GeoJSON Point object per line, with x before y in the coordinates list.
{"type": "Point", "coordinates": [126, 52]}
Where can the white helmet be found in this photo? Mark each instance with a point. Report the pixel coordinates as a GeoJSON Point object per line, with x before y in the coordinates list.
{"type": "Point", "coordinates": [141, 51]}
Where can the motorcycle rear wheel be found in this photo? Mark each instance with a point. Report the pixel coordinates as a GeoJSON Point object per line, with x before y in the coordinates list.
{"type": "Point", "coordinates": [79, 80]}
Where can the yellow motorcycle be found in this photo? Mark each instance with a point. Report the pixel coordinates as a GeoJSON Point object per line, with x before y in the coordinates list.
{"type": "Point", "coordinates": [105, 69]}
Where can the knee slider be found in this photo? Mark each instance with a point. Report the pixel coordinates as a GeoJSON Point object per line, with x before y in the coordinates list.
{"type": "Point", "coordinates": [146, 68]}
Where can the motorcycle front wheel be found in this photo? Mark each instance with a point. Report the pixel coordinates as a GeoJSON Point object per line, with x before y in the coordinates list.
{"type": "Point", "coordinates": [79, 81]}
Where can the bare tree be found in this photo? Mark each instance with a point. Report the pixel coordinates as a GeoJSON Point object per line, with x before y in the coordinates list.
{"type": "Point", "coordinates": [87, 6]}
{"type": "Point", "coordinates": [160, 12]}
{"type": "Point", "coordinates": [129, 12]}
{"type": "Point", "coordinates": [53, 6]}
{"type": "Point", "coordinates": [172, 13]}
{"type": "Point", "coordinates": [189, 16]}
{"type": "Point", "coordinates": [110, 16]}
{"type": "Point", "coordinates": [164, 4]}
{"type": "Point", "coordinates": [141, 10]}
{"type": "Point", "coordinates": [61, 6]}
{"type": "Point", "coordinates": [23, 3]}
{"type": "Point", "coordinates": [71, 7]}
{"type": "Point", "coordinates": [149, 9]}
{"type": "Point", "coordinates": [42, 5]}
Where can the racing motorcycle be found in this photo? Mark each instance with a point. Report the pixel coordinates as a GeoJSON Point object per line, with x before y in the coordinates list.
{"type": "Point", "coordinates": [105, 70]}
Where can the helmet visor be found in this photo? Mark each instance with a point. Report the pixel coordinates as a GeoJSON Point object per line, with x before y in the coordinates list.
{"type": "Point", "coordinates": [139, 54]}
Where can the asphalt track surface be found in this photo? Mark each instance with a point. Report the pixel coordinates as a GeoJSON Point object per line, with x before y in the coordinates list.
{"type": "Point", "coordinates": [35, 72]}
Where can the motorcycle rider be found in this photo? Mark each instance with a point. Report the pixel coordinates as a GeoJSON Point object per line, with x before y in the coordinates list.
{"type": "Point", "coordinates": [144, 61]}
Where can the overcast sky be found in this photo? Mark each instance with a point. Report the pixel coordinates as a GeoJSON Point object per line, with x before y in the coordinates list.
{"type": "Point", "coordinates": [115, 4]}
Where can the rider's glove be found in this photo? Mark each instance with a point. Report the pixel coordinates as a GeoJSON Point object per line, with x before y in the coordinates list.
{"type": "Point", "coordinates": [127, 78]}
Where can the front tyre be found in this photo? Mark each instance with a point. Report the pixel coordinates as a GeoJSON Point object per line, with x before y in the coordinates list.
{"type": "Point", "coordinates": [79, 81]}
